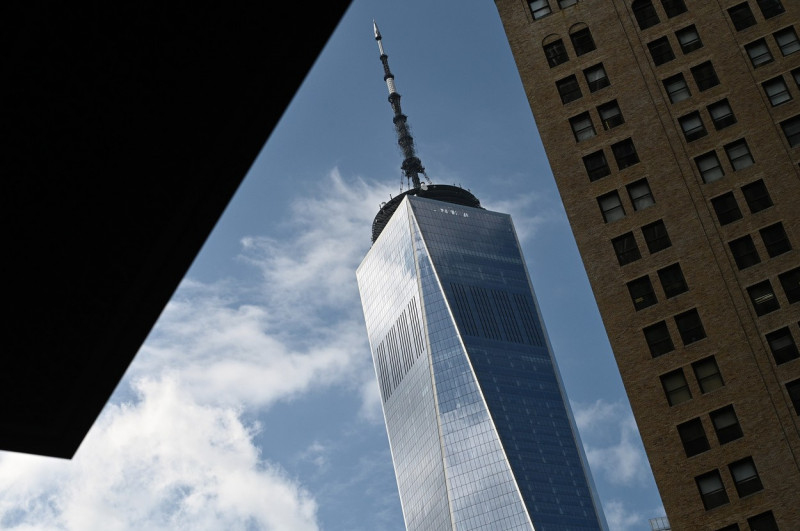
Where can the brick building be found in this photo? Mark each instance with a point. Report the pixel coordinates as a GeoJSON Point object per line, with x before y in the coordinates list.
{"type": "Point", "coordinates": [672, 128]}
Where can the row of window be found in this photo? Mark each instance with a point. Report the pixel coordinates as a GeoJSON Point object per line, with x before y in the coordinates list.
{"type": "Point", "coordinates": [556, 51]}
{"type": "Point", "coordinates": [570, 90]}
{"type": "Point", "coordinates": [706, 372]}
{"type": "Point", "coordinates": [745, 479]}
{"type": "Point", "coordinates": [755, 195]}
{"type": "Point", "coordinates": [761, 522]}
{"type": "Point", "coordinates": [596, 163]}
{"type": "Point", "coordinates": [742, 16]}
{"type": "Point", "coordinates": [672, 282]}
{"type": "Point", "coordinates": [693, 435]}
{"type": "Point", "coordinates": [646, 15]}
{"type": "Point", "coordinates": [704, 75]}
{"type": "Point", "coordinates": [542, 8]}
{"type": "Point", "coordinates": [655, 236]}
{"type": "Point", "coordinates": [583, 127]}
{"type": "Point", "coordinates": [611, 205]}
{"type": "Point", "coordinates": [777, 91]}
{"type": "Point", "coordinates": [739, 157]}
{"type": "Point", "coordinates": [661, 50]}
{"type": "Point", "coordinates": [759, 51]}
{"type": "Point", "coordinates": [693, 126]}
{"type": "Point", "coordinates": [659, 340]}
{"type": "Point", "coordinates": [775, 240]}
{"type": "Point", "coordinates": [762, 295]}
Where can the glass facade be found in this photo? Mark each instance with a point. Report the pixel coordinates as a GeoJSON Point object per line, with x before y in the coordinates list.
{"type": "Point", "coordinates": [478, 423]}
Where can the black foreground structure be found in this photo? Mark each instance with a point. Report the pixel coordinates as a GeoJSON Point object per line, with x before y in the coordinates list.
{"type": "Point", "coordinates": [126, 130]}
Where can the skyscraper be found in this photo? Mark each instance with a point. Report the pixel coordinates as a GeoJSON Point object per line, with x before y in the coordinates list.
{"type": "Point", "coordinates": [479, 426]}
{"type": "Point", "coordinates": [673, 131]}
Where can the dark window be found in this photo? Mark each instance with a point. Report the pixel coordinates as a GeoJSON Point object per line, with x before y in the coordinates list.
{"type": "Point", "coordinates": [625, 153]}
{"type": "Point", "coordinates": [692, 126]}
{"type": "Point", "coordinates": [568, 89]}
{"type": "Point", "coordinates": [744, 252]}
{"type": "Point", "coordinates": [763, 522]}
{"type": "Point", "coordinates": [782, 345]}
{"type": "Point", "coordinates": [741, 16]}
{"type": "Point", "coordinates": [690, 326]}
{"type": "Point", "coordinates": [707, 373]}
{"type": "Point", "coordinates": [763, 298]}
{"type": "Point", "coordinates": [787, 41]}
{"type": "Point", "coordinates": [658, 339]}
{"type": "Point", "coordinates": [689, 39]}
{"type": "Point", "coordinates": [645, 13]}
{"type": "Point", "coordinates": [745, 477]}
{"type": "Point", "coordinates": [759, 53]}
{"type": "Point", "coordinates": [675, 387]}
{"type": "Point", "coordinates": [776, 90]}
{"type": "Point", "coordinates": [610, 115]}
{"type": "Point", "coordinates": [539, 8]}
{"type": "Point", "coordinates": [727, 208]}
{"type": "Point", "coordinates": [790, 281]}
{"type": "Point", "coordinates": [673, 8]}
{"type": "Point", "coordinates": [582, 127]}
{"type": "Point", "coordinates": [793, 388]}
{"type": "Point", "coordinates": [726, 424]}
{"type": "Point", "coordinates": [709, 167]}
{"type": "Point", "coordinates": [596, 165]}
{"type": "Point", "coordinates": [566, 3]}
{"type": "Point", "coordinates": [582, 41]}
{"type": "Point", "coordinates": [642, 293]}
{"type": "Point", "coordinates": [693, 437]}
{"type": "Point", "coordinates": [705, 76]}
{"type": "Point", "coordinates": [556, 53]}
{"type": "Point", "coordinates": [660, 51]}
{"type": "Point", "coordinates": [655, 234]}
{"type": "Point", "coordinates": [676, 88]}
{"type": "Point", "coordinates": [721, 114]}
{"type": "Point", "coordinates": [796, 76]}
{"type": "Point", "coordinates": [739, 154]}
{"type": "Point", "coordinates": [672, 280]}
{"type": "Point", "coordinates": [756, 196]}
{"type": "Point", "coordinates": [626, 249]}
{"type": "Point", "coordinates": [712, 492]}
{"type": "Point", "coordinates": [596, 77]}
{"type": "Point", "coordinates": [791, 129]}
{"type": "Point", "coordinates": [640, 194]}
{"type": "Point", "coordinates": [775, 240]}
{"type": "Point", "coordinates": [611, 207]}
{"type": "Point", "coordinates": [770, 8]}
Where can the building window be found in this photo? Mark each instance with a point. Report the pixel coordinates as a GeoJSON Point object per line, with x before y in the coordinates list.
{"type": "Point", "coordinates": [709, 167]}
{"type": "Point", "coordinates": [675, 387]}
{"type": "Point", "coordinates": [726, 424]}
{"type": "Point", "coordinates": [539, 8]}
{"type": "Point", "coordinates": [796, 76]}
{"type": "Point", "coordinates": [625, 153]}
{"type": "Point", "coordinates": [763, 298]}
{"type": "Point", "coordinates": [640, 194]}
{"type": "Point", "coordinates": [756, 196]}
{"type": "Point", "coordinates": [672, 281]}
{"type": "Point", "coordinates": [776, 90]}
{"type": "Point", "coordinates": [655, 234]}
{"type": "Point", "coordinates": [744, 252]}
{"type": "Point", "coordinates": [645, 13]}
{"type": "Point", "coordinates": [658, 339]}
{"type": "Point", "coordinates": [568, 89]}
{"type": "Point", "coordinates": [596, 165]}
{"type": "Point", "coordinates": [790, 281]}
{"type": "Point", "coordinates": [582, 127]}
{"type": "Point", "coordinates": [741, 16]}
{"type": "Point", "coordinates": [689, 39]}
{"type": "Point", "coordinates": [610, 115]}
{"type": "Point", "coordinates": [626, 249]}
{"type": "Point", "coordinates": [676, 88]}
{"type": "Point", "coordinates": [692, 126]}
{"type": "Point", "coordinates": [690, 326]}
{"type": "Point", "coordinates": [707, 373]}
{"type": "Point", "coordinates": [704, 76]}
{"type": "Point", "coordinates": [759, 53]}
{"type": "Point", "coordinates": [712, 492]}
{"type": "Point", "coordinates": [775, 239]}
{"type": "Point", "coordinates": [793, 388]}
{"type": "Point", "coordinates": [726, 208]}
{"type": "Point", "coordinates": [611, 207]}
{"type": "Point", "coordinates": [660, 51]}
{"type": "Point", "coordinates": [556, 53]}
{"type": "Point", "coordinates": [693, 437]}
{"type": "Point", "coordinates": [763, 522]}
{"type": "Point", "coordinates": [739, 155]}
{"type": "Point", "coordinates": [745, 477]}
{"type": "Point", "coordinates": [732, 527]}
{"type": "Point", "coordinates": [642, 293]}
{"type": "Point", "coordinates": [782, 345]}
{"type": "Point", "coordinates": [787, 41]}
{"type": "Point", "coordinates": [582, 41]}
{"type": "Point", "coordinates": [791, 129]}
{"type": "Point", "coordinates": [721, 114]}
{"type": "Point", "coordinates": [673, 8]}
{"type": "Point", "coordinates": [596, 77]}
{"type": "Point", "coordinates": [770, 8]}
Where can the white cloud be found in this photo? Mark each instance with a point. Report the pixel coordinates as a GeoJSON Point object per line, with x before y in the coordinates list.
{"type": "Point", "coordinates": [529, 211]}
{"type": "Point", "coordinates": [619, 518]}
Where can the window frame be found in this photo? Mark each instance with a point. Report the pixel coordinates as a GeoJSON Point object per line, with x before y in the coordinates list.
{"type": "Point", "coordinates": [744, 252]}
{"type": "Point", "coordinates": [582, 126]}
{"type": "Point", "coordinates": [692, 44]}
{"type": "Point", "coordinates": [705, 76]}
{"type": "Point", "coordinates": [726, 208]}
{"type": "Point", "coordinates": [640, 201]}
{"type": "Point", "coordinates": [625, 154]}
{"type": "Point", "coordinates": [660, 51]}
{"type": "Point", "coordinates": [739, 154]}
{"type": "Point", "coordinates": [544, 5]}
{"type": "Point", "coordinates": [582, 41]}
{"type": "Point", "coordinates": [693, 437]}
{"type": "Point", "coordinates": [596, 172]}
{"type": "Point", "coordinates": [645, 14]}
{"type": "Point", "coordinates": [690, 326]}
{"type": "Point", "coordinates": [673, 8]}
{"type": "Point", "coordinates": [615, 211]}
{"type": "Point", "coordinates": [672, 279]}
{"type": "Point", "coordinates": [725, 430]}
{"type": "Point", "coordinates": [596, 83]}
{"type": "Point", "coordinates": [658, 339]}
{"type": "Point", "coordinates": [721, 120]}
{"type": "Point", "coordinates": [779, 96]}
{"type": "Point", "coordinates": [555, 52]}
{"type": "Point", "coordinates": [709, 166]}
{"type": "Point", "coordinates": [775, 239]}
{"type": "Point", "coordinates": [573, 90]}
{"type": "Point", "coordinates": [743, 15]}
{"type": "Point", "coordinates": [692, 126]}
{"type": "Point", "coordinates": [792, 44]}
{"type": "Point", "coordinates": [790, 282]}
{"type": "Point", "coordinates": [642, 293]}
{"type": "Point", "coordinates": [762, 298]}
{"type": "Point", "coordinates": [782, 345]}
{"type": "Point", "coordinates": [763, 522]}
{"type": "Point", "coordinates": [680, 94]}
{"type": "Point", "coordinates": [613, 119]}
{"type": "Point", "coordinates": [675, 394]}
{"type": "Point", "coordinates": [711, 379]}
{"type": "Point", "coordinates": [625, 254]}
{"type": "Point", "coordinates": [770, 8]}
{"type": "Point", "coordinates": [745, 477]}
{"type": "Point", "coordinates": [759, 53]}
{"type": "Point", "coordinates": [791, 130]}
{"type": "Point", "coordinates": [757, 196]}
{"type": "Point", "coordinates": [712, 490]}
{"type": "Point", "coordinates": [658, 242]}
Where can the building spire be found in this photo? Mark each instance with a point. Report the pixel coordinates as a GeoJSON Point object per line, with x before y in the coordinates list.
{"type": "Point", "coordinates": [412, 166]}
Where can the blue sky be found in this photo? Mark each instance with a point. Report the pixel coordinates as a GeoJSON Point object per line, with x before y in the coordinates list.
{"type": "Point", "coordinates": [253, 402]}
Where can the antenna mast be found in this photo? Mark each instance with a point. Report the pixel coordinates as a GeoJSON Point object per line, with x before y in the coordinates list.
{"type": "Point", "coordinates": [412, 166]}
